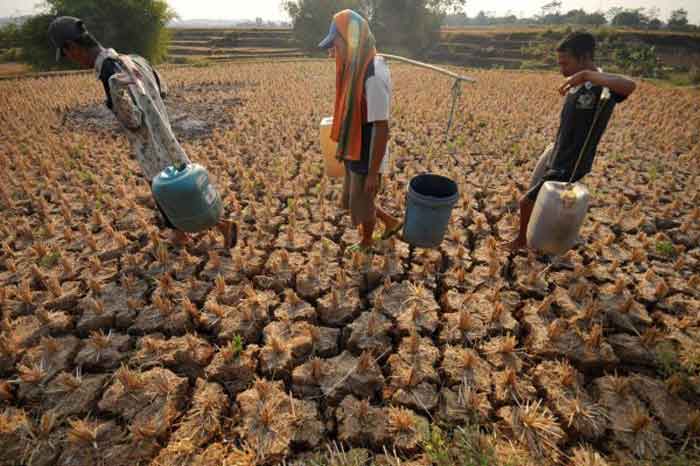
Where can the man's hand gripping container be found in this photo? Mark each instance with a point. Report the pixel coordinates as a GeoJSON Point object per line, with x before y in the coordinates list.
{"type": "Point", "coordinates": [188, 198]}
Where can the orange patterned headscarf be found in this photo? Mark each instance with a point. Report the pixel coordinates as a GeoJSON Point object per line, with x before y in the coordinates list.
{"type": "Point", "coordinates": [348, 117]}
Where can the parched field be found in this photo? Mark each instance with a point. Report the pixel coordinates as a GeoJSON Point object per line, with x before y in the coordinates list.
{"type": "Point", "coordinates": [118, 349]}
{"type": "Point", "coordinates": [10, 69]}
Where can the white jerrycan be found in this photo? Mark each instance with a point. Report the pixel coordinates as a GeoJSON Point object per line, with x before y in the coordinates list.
{"type": "Point", "coordinates": [557, 217]}
{"type": "Point", "coordinates": [561, 208]}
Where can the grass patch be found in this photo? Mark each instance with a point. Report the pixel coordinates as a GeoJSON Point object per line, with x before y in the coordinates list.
{"type": "Point", "coordinates": [86, 177]}
{"type": "Point", "coordinates": [665, 248]}
{"type": "Point", "coordinates": [682, 458]}
{"type": "Point", "coordinates": [653, 173]}
{"type": "Point", "coordinates": [667, 359]}
{"type": "Point", "coordinates": [464, 446]}
{"type": "Point", "coordinates": [237, 345]}
{"type": "Point", "coordinates": [683, 364]}
{"type": "Point", "coordinates": [441, 445]}
{"type": "Point", "coordinates": [338, 456]}
{"type": "Point", "coordinates": [50, 260]}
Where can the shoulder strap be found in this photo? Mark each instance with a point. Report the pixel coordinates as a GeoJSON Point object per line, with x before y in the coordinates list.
{"type": "Point", "coordinates": [604, 98]}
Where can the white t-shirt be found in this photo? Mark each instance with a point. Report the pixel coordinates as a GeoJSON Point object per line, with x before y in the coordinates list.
{"type": "Point", "coordinates": [378, 95]}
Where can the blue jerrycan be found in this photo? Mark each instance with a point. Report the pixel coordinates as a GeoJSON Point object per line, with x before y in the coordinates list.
{"type": "Point", "coordinates": [188, 197]}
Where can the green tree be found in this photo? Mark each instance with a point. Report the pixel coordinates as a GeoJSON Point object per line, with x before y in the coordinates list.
{"type": "Point", "coordinates": [129, 26]}
{"type": "Point", "coordinates": [581, 17]}
{"type": "Point", "coordinates": [678, 19]}
{"type": "Point", "coordinates": [630, 18]}
{"type": "Point", "coordinates": [596, 19]}
{"type": "Point", "coordinates": [637, 59]}
{"type": "Point", "coordinates": [407, 24]}
{"type": "Point", "coordinates": [10, 42]}
{"type": "Point", "coordinates": [36, 49]}
{"type": "Point", "coordinates": [655, 24]}
{"type": "Point", "coordinates": [9, 35]}
{"type": "Point", "coordinates": [311, 18]}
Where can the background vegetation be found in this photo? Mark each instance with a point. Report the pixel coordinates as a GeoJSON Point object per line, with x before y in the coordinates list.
{"type": "Point", "coordinates": [405, 24]}
{"type": "Point", "coordinates": [130, 26]}
{"type": "Point", "coordinates": [552, 14]}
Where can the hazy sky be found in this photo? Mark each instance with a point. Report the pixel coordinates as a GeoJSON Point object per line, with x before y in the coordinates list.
{"type": "Point", "coordinates": [271, 9]}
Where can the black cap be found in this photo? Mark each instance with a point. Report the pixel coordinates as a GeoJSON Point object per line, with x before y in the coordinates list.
{"type": "Point", "coordinates": [63, 29]}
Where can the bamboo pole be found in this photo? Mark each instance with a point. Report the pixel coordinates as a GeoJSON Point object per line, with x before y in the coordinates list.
{"type": "Point", "coordinates": [429, 67]}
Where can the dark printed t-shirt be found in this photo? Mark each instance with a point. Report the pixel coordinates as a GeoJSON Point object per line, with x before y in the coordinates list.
{"type": "Point", "coordinates": [576, 119]}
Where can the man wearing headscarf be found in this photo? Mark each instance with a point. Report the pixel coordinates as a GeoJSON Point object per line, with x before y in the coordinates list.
{"type": "Point", "coordinates": [361, 121]}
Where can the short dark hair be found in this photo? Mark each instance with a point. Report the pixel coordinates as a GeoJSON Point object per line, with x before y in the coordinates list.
{"type": "Point", "coordinates": [578, 44]}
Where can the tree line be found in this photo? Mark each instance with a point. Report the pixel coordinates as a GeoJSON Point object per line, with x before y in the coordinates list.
{"type": "Point", "coordinates": [551, 14]}
{"type": "Point", "coordinates": [404, 25]}
{"type": "Point", "coordinates": [131, 26]}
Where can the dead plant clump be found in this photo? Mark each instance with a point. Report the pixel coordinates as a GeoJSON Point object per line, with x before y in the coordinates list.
{"type": "Point", "coordinates": [188, 355]}
{"type": "Point", "coordinates": [535, 427]}
{"type": "Point", "coordinates": [200, 426]}
{"type": "Point", "coordinates": [73, 395]}
{"type": "Point", "coordinates": [104, 351]}
{"type": "Point", "coordinates": [118, 348]}
{"type": "Point", "coordinates": [273, 421]}
{"type": "Point", "coordinates": [564, 386]}
{"type": "Point", "coordinates": [154, 398]}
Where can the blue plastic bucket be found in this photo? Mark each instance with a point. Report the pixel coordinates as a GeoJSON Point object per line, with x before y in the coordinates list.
{"type": "Point", "coordinates": [429, 205]}
{"type": "Point", "coordinates": [188, 198]}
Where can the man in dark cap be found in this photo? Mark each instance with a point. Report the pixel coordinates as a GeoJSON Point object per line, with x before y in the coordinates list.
{"type": "Point", "coordinates": [134, 92]}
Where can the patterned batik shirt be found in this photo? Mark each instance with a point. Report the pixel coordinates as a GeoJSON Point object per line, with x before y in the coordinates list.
{"type": "Point", "coordinates": [140, 109]}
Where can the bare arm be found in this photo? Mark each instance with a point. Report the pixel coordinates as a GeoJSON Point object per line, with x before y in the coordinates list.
{"type": "Point", "coordinates": [381, 139]}
{"type": "Point", "coordinates": [618, 84]}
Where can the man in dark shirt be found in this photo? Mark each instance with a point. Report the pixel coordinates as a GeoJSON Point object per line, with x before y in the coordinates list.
{"type": "Point", "coordinates": [582, 90]}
